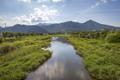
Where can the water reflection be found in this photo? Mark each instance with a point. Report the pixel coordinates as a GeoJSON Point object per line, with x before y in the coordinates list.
{"type": "Point", "coordinates": [63, 65]}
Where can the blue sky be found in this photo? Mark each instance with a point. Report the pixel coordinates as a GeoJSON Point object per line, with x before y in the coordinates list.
{"type": "Point", "coordinates": [55, 11]}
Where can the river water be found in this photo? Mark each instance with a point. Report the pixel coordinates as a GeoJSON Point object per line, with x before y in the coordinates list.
{"type": "Point", "coordinates": [64, 64]}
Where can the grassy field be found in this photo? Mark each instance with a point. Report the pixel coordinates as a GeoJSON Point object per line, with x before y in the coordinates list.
{"type": "Point", "coordinates": [102, 59]}
{"type": "Point", "coordinates": [20, 56]}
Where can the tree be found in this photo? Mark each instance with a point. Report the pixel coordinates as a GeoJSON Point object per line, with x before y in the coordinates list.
{"type": "Point", "coordinates": [113, 37]}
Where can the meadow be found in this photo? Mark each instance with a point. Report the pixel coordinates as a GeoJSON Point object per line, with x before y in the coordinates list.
{"type": "Point", "coordinates": [101, 55]}
{"type": "Point", "coordinates": [19, 56]}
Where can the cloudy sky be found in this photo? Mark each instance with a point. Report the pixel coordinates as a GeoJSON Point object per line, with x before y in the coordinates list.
{"type": "Point", "coordinates": [55, 11]}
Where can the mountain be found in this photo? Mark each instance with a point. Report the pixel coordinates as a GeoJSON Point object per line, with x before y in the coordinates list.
{"type": "Point", "coordinates": [43, 24]}
{"type": "Point", "coordinates": [68, 26]}
{"type": "Point", "coordinates": [93, 25]}
{"type": "Point", "coordinates": [24, 29]}
{"type": "Point", "coordinates": [62, 27]}
{"type": "Point", "coordinates": [71, 26]}
{"type": "Point", "coordinates": [0, 27]}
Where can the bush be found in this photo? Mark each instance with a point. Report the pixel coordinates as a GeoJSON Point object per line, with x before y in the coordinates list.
{"type": "Point", "coordinates": [1, 40]}
{"type": "Point", "coordinates": [6, 48]}
{"type": "Point", "coordinates": [113, 37]}
{"type": "Point", "coordinates": [10, 39]}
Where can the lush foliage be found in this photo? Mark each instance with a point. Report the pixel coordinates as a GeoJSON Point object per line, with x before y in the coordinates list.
{"type": "Point", "coordinates": [20, 56]}
{"type": "Point", "coordinates": [1, 40]}
{"type": "Point", "coordinates": [91, 35]}
{"type": "Point", "coordinates": [113, 37]}
{"type": "Point", "coordinates": [101, 58]}
{"type": "Point", "coordinates": [15, 34]}
{"type": "Point", "coordinates": [21, 53]}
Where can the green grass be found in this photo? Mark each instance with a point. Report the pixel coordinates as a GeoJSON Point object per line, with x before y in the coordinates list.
{"type": "Point", "coordinates": [102, 59]}
{"type": "Point", "coordinates": [21, 56]}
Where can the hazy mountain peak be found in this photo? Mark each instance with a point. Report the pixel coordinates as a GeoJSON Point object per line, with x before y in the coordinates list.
{"type": "Point", "coordinates": [71, 22]}
{"type": "Point", "coordinates": [43, 24]}
{"type": "Point", "coordinates": [91, 21]}
{"type": "Point", "coordinates": [18, 25]}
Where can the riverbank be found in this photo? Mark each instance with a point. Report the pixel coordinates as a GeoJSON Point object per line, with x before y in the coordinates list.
{"type": "Point", "coordinates": [64, 64]}
{"type": "Point", "coordinates": [21, 56]}
{"type": "Point", "coordinates": [101, 58]}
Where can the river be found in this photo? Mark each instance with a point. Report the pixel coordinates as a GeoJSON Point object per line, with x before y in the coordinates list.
{"type": "Point", "coordinates": [64, 64]}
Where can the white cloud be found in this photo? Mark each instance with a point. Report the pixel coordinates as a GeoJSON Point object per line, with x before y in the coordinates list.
{"type": "Point", "coordinates": [99, 2]}
{"type": "Point", "coordinates": [1, 19]}
{"type": "Point", "coordinates": [54, 1]}
{"type": "Point", "coordinates": [57, 1]}
{"type": "Point", "coordinates": [42, 14]}
{"type": "Point", "coordinates": [95, 5]}
{"type": "Point", "coordinates": [104, 1]}
{"type": "Point", "coordinates": [4, 21]}
{"type": "Point", "coordinates": [27, 1]}
{"type": "Point", "coordinates": [24, 18]}
{"type": "Point", "coordinates": [41, 1]}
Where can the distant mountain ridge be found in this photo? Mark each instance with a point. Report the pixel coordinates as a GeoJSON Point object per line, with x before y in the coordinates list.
{"type": "Point", "coordinates": [71, 26]}
{"type": "Point", "coordinates": [24, 29]}
{"type": "Point", "coordinates": [68, 26]}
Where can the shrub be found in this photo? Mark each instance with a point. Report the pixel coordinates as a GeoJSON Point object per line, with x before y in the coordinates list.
{"type": "Point", "coordinates": [113, 37]}
{"type": "Point", "coordinates": [10, 39]}
{"type": "Point", "coordinates": [6, 48]}
{"type": "Point", "coordinates": [1, 40]}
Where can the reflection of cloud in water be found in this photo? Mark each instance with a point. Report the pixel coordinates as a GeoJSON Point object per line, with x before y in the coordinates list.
{"type": "Point", "coordinates": [63, 65]}
{"type": "Point", "coordinates": [54, 70]}
{"type": "Point", "coordinates": [48, 72]}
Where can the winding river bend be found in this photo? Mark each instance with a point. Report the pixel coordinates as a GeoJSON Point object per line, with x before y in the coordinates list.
{"type": "Point", "coordinates": [64, 64]}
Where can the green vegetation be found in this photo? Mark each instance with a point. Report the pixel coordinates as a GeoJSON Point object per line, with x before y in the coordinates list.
{"type": "Point", "coordinates": [21, 55]}
{"type": "Point", "coordinates": [101, 55]}
{"type": "Point", "coordinates": [113, 37]}
{"type": "Point", "coordinates": [1, 40]}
